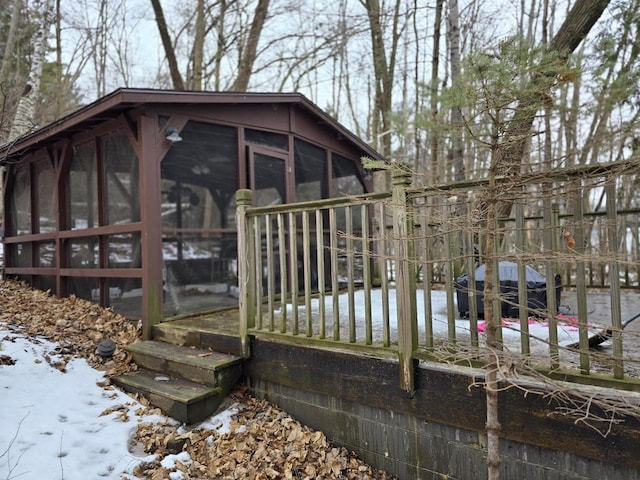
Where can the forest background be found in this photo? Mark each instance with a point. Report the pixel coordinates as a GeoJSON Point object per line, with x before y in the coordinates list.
{"type": "Point", "coordinates": [430, 83]}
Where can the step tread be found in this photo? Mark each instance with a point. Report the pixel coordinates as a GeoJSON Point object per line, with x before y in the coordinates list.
{"type": "Point", "coordinates": [197, 357]}
{"type": "Point", "coordinates": [176, 389]}
{"type": "Point", "coordinates": [200, 333]}
{"type": "Point", "coordinates": [200, 324]}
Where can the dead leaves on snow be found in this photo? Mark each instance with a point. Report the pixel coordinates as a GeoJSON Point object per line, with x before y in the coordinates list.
{"type": "Point", "coordinates": [121, 411]}
{"type": "Point", "coordinates": [6, 360]}
{"type": "Point", "coordinates": [75, 324]}
{"type": "Point", "coordinates": [264, 443]}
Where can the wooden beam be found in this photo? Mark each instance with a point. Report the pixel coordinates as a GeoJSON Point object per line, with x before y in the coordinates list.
{"type": "Point", "coordinates": [151, 232]}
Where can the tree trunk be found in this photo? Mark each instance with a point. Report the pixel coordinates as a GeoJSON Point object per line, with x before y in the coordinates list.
{"type": "Point", "coordinates": [433, 90]}
{"type": "Point", "coordinates": [417, 97]}
{"type": "Point", "coordinates": [453, 34]}
{"type": "Point", "coordinates": [248, 57]}
{"type": "Point", "coordinates": [198, 47]}
{"type": "Point", "coordinates": [384, 72]}
{"type": "Point", "coordinates": [9, 47]}
{"type": "Point", "coordinates": [101, 48]}
{"type": "Point", "coordinates": [59, 81]}
{"type": "Point", "coordinates": [23, 121]}
{"type": "Point", "coordinates": [169, 51]}
{"type": "Point", "coordinates": [510, 151]}
{"type": "Point", "coordinates": [221, 47]}
{"type": "Point", "coordinates": [492, 350]}
{"type": "Point", "coordinates": [492, 343]}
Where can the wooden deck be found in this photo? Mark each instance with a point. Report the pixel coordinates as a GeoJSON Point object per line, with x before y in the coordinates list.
{"type": "Point", "coordinates": [220, 329]}
{"type": "Point", "coordinates": [225, 321]}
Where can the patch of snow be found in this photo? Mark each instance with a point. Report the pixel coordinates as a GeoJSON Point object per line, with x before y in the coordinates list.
{"type": "Point", "coordinates": [170, 461]}
{"type": "Point", "coordinates": [538, 329]}
{"type": "Point", "coordinates": [222, 421]}
{"type": "Point", "coordinates": [56, 425]}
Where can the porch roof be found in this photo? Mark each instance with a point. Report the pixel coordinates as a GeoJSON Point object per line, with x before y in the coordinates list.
{"type": "Point", "coordinates": [123, 100]}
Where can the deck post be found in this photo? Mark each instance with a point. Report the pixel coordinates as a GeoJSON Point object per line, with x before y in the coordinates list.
{"type": "Point", "coordinates": [246, 269]}
{"type": "Point", "coordinates": [150, 155]}
{"type": "Point", "coordinates": [405, 279]}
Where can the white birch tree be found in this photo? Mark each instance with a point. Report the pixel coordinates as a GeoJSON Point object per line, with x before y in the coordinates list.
{"type": "Point", "coordinates": [23, 121]}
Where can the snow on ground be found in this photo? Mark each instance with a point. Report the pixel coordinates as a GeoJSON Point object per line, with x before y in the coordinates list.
{"type": "Point", "coordinates": [56, 425]}
{"type": "Point", "coordinates": [538, 328]}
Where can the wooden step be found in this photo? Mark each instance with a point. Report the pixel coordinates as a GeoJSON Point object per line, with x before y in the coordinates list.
{"type": "Point", "coordinates": [186, 401]}
{"type": "Point", "coordinates": [195, 364]}
{"type": "Point", "coordinates": [199, 332]}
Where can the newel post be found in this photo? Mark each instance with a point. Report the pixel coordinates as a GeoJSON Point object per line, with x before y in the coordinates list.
{"type": "Point", "coordinates": [246, 269]}
{"type": "Point", "coordinates": [405, 279]}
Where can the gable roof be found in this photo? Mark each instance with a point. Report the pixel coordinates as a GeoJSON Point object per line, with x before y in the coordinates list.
{"type": "Point", "coordinates": [125, 99]}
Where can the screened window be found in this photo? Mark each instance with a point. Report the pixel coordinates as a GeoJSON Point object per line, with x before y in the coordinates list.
{"type": "Point", "coordinates": [125, 296]}
{"type": "Point", "coordinates": [85, 288]}
{"type": "Point", "coordinates": [189, 206]}
{"type": "Point", "coordinates": [83, 253]}
{"type": "Point", "coordinates": [123, 251]}
{"type": "Point", "coordinates": [83, 188]}
{"type": "Point", "coordinates": [45, 197]}
{"type": "Point", "coordinates": [19, 254]}
{"type": "Point", "coordinates": [46, 254]}
{"type": "Point", "coordinates": [267, 139]}
{"type": "Point", "coordinates": [200, 177]}
{"type": "Point", "coordinates": [269, 180]}
{"type": "Point", "coordinates": [47, 282]}
{"type": "Point", "coordinates": [310, 168]}
{"type": "Point", "coordinates": [120, 165]}
{"type": "Point", "coordinates": [346, 179]}
{"type": "Point", "coordinates": [199, 182]}
{"type": "Point", "coordinates": [21, 202]}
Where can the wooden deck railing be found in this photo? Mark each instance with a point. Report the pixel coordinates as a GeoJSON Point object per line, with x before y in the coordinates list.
{"type": "Point", "coordinates": [297, 261]}
{"type": "Point", "coordinates": [321, 271]}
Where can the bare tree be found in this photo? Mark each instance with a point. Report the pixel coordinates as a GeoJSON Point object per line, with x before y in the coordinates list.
{"type": "Point", "coordinates": [23, 120]}
{"type": "Point", "coordinates": [225, 19]}
{"type": "Point", "coordinates": [453, 37]}
{"type": "Point", "coordinates": [10, 44]}
{"type": "Point", "coordinates": [434, 94]}
{"type": "Point", "coordinates": [11, 73]}
{"type": "Point", "coordinates": [383, 67]}
{"type": "Point", "coordinates": [247, 55]}
{"type": "Point", "coordinates": [167, 44]}
{"type": "Point", "coordinates": [198, 47]}
{"type": "Point", "coordinates": [576, 26]}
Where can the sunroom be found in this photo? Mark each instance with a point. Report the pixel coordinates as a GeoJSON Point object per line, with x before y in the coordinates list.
{"type": "Point", "coordinates": [130, 201]}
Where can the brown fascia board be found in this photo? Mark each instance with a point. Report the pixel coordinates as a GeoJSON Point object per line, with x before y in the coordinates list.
{"type": "Point", "coordinates": [122, 99]}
